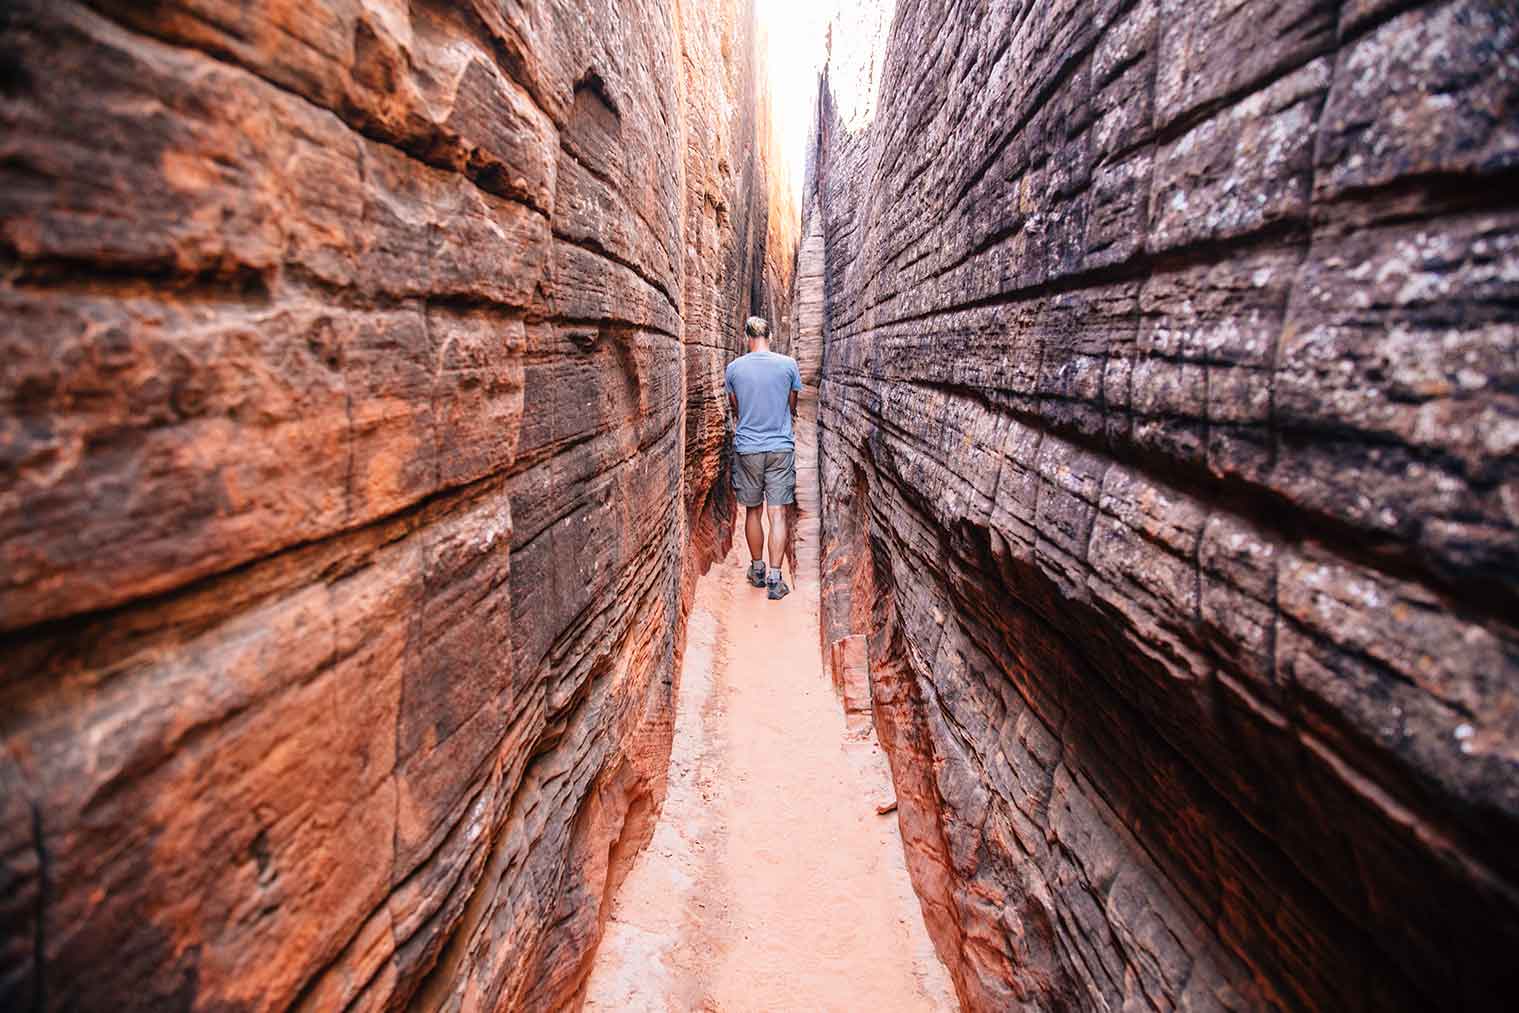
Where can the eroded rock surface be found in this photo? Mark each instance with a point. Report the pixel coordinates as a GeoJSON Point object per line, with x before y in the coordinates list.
{"type": "Point", "coordinates": [361, 424]}
{"type": "Point", "coordinates": [1169, 420]}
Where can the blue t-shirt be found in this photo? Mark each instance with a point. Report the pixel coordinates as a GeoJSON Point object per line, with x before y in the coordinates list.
{"type": "Point", "coordinates": [763, 382]}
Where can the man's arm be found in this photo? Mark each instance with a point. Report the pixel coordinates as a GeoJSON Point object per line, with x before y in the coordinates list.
{"type": "Point", "coordinates": [733, 403]}
{"type": "Point", "coordinates": [792, 399]}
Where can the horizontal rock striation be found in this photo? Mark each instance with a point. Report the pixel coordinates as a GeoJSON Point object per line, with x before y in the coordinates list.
{"type": "Point", "coordinates": [359, 373]}
{"type": "Point", "coordinates": [1169, 407]}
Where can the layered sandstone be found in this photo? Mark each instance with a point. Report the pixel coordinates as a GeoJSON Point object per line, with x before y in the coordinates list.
{"type": "Point", "coordinates": [1170, 400]}
{"type": "Point", "coordinates": [361, 405]}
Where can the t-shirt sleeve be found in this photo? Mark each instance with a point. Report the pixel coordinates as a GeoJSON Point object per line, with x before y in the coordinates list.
{"type": "Point", "coordinates": [796, 376]}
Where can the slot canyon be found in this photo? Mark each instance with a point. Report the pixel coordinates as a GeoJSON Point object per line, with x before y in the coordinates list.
{"type": "Point", "coordinates": [373, 632]}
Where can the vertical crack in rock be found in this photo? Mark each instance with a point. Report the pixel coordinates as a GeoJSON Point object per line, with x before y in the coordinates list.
{"type": "Point", "coordinates": [1167, 375]}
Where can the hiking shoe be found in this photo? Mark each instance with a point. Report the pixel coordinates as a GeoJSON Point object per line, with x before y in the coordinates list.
{"type": "Point", "coordinates": [778, 590]}
{"type": "Point", "coordinates": [757, 574]}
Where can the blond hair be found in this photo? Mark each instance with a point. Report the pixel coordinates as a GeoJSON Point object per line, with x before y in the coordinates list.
{"type": "Point", "coordinates": [756, 327]}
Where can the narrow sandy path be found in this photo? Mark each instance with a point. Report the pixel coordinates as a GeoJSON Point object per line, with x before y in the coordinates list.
{"type": "Point", "coordinates": [770, 882]}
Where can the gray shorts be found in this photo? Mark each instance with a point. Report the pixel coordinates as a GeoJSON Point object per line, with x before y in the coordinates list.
{"type": "Point", "coordinates": [768, 477]}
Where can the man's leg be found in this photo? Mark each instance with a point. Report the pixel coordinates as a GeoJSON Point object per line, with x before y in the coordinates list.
{"type": "Point", "coordinates": [777, 534]}
{"type": "Point", "coordinates": [780, 492]}
{"type": "Point", "coordinates": [749, 486]}
{"type": "Point", "coordinates": [754, 531]}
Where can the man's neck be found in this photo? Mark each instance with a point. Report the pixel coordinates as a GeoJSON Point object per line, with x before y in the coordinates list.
{"type": "Point", "coordinates": [759, 346]}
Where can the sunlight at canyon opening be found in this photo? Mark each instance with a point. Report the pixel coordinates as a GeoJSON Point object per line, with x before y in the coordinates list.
{"type": "Point", "coordinates": [796, 39]}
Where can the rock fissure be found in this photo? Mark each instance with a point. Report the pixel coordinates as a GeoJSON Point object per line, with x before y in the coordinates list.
{"type": "Point", "coordinates": [371, 629]}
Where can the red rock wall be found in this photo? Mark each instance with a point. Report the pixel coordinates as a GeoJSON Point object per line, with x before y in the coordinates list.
{"type": "Point", "coordinates": [807, 311]}
{"type": "Point", "coordinates": [359, 364]}
{"type": "Point", "coordinates": [1168, 421]}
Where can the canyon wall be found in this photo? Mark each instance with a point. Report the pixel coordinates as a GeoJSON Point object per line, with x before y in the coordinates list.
{"type": "Point", "coordinates": [1169, 408]}
{"type": "Point", "coordinates": [361, 439]}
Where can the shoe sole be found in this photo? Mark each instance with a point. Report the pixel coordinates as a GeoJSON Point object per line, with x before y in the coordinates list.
{"type": "Point", "coordinates": [779, 592]}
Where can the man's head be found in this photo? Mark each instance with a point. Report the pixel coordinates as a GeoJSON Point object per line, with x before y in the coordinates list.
{"type": "Point", "coordinates": [758, 333]}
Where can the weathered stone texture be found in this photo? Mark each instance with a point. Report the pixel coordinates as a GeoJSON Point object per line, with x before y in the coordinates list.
{"type": "Point", "coordinates": [359, 358]}
{"type": "Point", "coordinates": [1168, 423]}
{"type": "Point", "coordinates": [807, 313]}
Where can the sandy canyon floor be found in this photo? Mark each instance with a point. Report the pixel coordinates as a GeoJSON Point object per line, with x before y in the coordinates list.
{"type": "Point", "coordinates": [770, 882]}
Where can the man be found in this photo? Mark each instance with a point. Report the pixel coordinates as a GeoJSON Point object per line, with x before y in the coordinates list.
{"type": "Point", "coordinates": [762, 388]}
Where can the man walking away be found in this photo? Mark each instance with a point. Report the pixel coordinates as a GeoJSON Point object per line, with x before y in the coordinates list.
{"type": "Point", "coordinates": [762, 388]}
